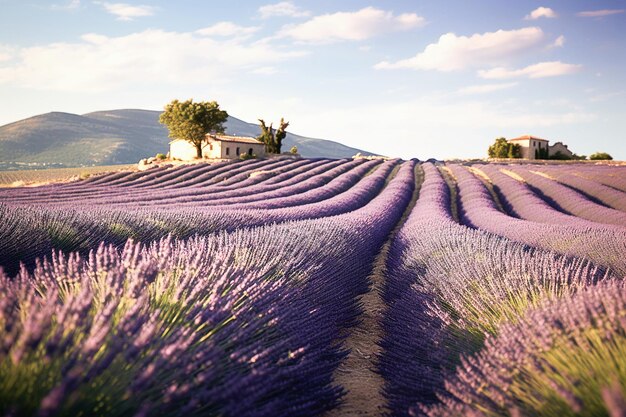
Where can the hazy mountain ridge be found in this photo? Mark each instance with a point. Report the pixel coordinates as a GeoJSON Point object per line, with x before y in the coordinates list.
{"type": "Point", "coordinates": [117, 137]}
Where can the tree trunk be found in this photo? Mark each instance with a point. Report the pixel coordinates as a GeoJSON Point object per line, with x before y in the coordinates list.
{"type": "Point", "coordinates": [199, 150]}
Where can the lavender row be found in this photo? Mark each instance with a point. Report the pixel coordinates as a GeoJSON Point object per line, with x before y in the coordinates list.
{"type": "Point", "coordinates": [117, 196]}
{"type": "Point", "coordinates": [448, 287]}
{"type": "Point", "coordinates": [613, 176]}
{"type": "Point", "coordinates": [32, 232]}
{"type": "Point", "coordinates": [228, 175]}
{"type": "Point", "coordinates": [569, 200]}
{"type": "Point", "coordinates": [257, 188]}
{"type": "Point", "coordinates": [521, 202]}
{"type": "Point", "coordinates": [477, 209]}
{"type": "Point", "coordinates": [595, 190]}
{"type": "Point", "coordinates": [240, 324]}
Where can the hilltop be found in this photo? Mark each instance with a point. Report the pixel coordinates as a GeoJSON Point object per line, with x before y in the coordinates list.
{"type": "Point", "coordinates": [118, 137]}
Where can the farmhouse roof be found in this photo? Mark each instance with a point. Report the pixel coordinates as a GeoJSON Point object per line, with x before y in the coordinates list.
{"type": "Point", "coordinates": [528, 137]}
{"type": "Point", "coordinates": [238, 139]}
{"type": "Point", "coordinates": [227, 138]}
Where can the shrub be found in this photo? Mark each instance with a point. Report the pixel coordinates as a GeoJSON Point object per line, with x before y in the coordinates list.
{"type": "Point", "coordinates": [246, 156]}
{"type": "Point", "coordinates": [600, 156]}
{"type": "Point", "coordinates": [161, 156]}
{"type": "Point", "coordinates": [558, 155]}
{"type": "Point", "coordinates": [294, 150]}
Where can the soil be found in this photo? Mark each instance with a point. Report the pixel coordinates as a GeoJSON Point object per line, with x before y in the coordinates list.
{"type": "Point", "coordinates": [357, 374]}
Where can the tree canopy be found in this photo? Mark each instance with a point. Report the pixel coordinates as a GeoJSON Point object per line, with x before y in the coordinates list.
{"type": "Point", "coordinates": [273, 138]}
{"type": "Point", "coordinates": [192, 121]}
{"type": "Point", "coordinates": [503, 149]}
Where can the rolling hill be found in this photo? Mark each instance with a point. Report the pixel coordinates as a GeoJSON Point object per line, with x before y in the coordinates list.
{"type": "Point", "coordinates": [117, 137]}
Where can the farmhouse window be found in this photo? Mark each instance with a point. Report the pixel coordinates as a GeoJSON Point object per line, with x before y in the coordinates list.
{"type": "Point", "coordinates": [237, 150]}
{"type": "Point", "coordinates": [227, 151]}
{"type": "Point", "coordinates": [250, 151]}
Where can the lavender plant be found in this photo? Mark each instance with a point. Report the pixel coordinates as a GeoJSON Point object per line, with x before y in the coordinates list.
{"type": "Point", "coordinates": [234, 324]}
{"type": "Point", "coordinates": [565, 358]}
{"type": "Point", "coordinates": [450, 286]}
{"type": "Point", "coordinates": [571, 201]}
{"type": "Point", "coordinates": [601, 193]}
{"type": "Point", "coordinates": [520, 201]}
{"type": "Point", "coordinates": [603, 246]}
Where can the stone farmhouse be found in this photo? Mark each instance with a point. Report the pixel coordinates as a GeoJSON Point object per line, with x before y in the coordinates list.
{"type": "Point", "coordinates": [532, 145]}
{"type": "Point", "coordinates": [217, 147]}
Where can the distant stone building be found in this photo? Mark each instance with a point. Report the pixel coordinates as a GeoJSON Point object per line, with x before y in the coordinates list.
{"type": "Point", "coordinates": [532, 147]}
{"type": "Point", "coordinates": [217, 147]}
{"type": "Point", "coordinates": [561, 148]}
{"type": "Point", "coordinates": [529, 144]}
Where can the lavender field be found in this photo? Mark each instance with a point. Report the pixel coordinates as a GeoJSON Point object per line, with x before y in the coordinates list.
{"type": "Point", "coordinates": [235, 288]}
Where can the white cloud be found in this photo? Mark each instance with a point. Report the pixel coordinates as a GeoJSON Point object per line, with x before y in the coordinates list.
{"type": "Point", "coordinates": [485, 88]}
{"type": "Point", "coordinates": [284, 8]}
{"type": "Point", "coordinates": [350, 26]}
{"type": "Point", "coordinates": [559, 42]}
{"type": "Point", "coordinates": [540, 70]}
{"type": "Point", "coordinates": [6, 53]}
{"type": "Point", "coordinates": [453, 53]}
{"type": "Point", "coordinates": [125, 11]}
{"type": "Point", "coordinates": [600, 13]}
{"type": "Point", "coordinates": [227, 29]}
{"type": "Point", "coordinates": [540, 12]}
{"type": "Point", "coordinates": [138, 60]}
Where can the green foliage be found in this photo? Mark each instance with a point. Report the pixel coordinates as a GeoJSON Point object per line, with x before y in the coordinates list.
{"type": "Point", "coordinates": [503, 149]}
{"type": "Point", "coordinates": [572, 375]}
{"type": "Point", "coordinates": [600, 156]}
{"type": "Point", "coordinates": [560, 156]}
{"type": "Point", "coordinates": [294, 150]}
{"type": "Point", "coordinates": [244, 156]}
{"type": "Point", "coordinates": [515, 151]}
{"type": "Point", "coordinates": [280, 134]}
{"type": "Point", "coordinates": [161, 156]}
{"type": "Point", "coordinates": [542, 153]}
{"type": "Point", "coordinates": [273, 138]}
{"type": "Point", "coordinates": [192, 121]}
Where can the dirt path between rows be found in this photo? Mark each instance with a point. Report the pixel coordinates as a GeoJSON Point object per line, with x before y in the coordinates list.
{"type": "Point", "coordinates": [357, 374]}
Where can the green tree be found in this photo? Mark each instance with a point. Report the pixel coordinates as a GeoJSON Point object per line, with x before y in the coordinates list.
{"type": "Point", "coordinates": [515, 151]}
{"type": "Point", "coordinates": [192, 121]}
{"type": "Point", "coordinates": [599, 156]}
{"type": "Point", "coordinates": [273, 138]}
{"type": "Point", "coordinates": [266, 136]}
{"type": "Point", "coordinates": [280, 134]}
{"type": "Point", "coordinates": [499, 149]}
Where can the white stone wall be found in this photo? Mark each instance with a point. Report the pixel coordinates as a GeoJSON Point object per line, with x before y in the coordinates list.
{"type": "Point", "coordinates": [214, 149]}
{"type": "Point", "coordinates": [527, 147]}
{"type": "Point", "coordinates": [183, 150]}
{"type": "Point", "coordinates": [235, 149]}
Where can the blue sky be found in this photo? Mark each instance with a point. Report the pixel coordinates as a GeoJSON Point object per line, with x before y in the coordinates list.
{"type": "Point", "coordinates": [402, 78]}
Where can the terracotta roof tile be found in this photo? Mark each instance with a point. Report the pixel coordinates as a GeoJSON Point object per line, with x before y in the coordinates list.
{"type": "Point", "coordinates": [238, 139]}
{"type": "Point", "coordinates": [527, 137]}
